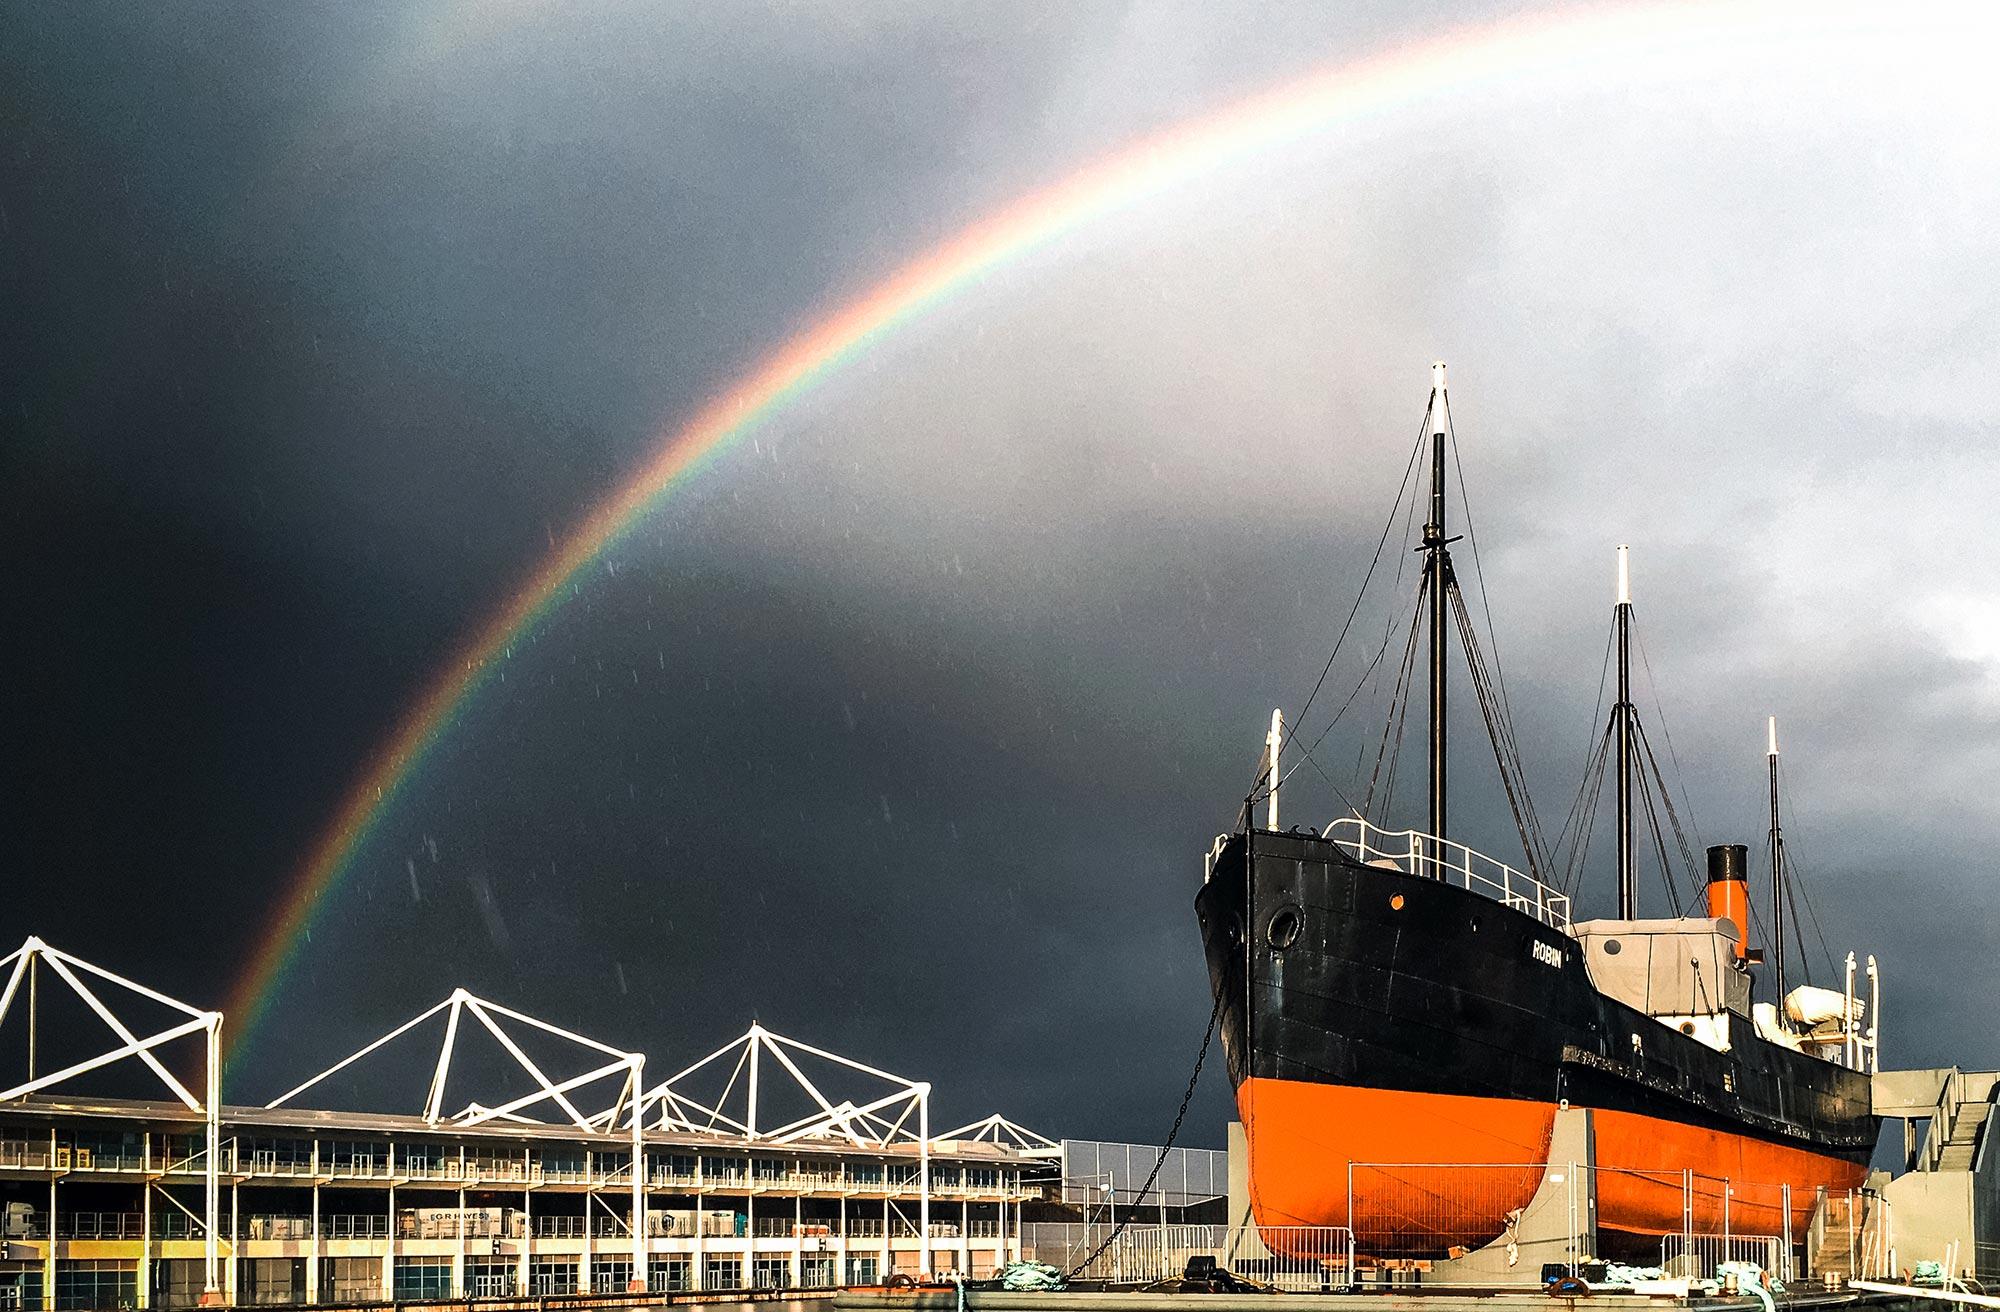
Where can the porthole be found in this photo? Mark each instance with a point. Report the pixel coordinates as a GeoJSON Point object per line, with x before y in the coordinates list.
{"type": "Point", "coordinates": [1232, 931]}
{"type": "Point", "coordinates": [1475, 924]}
{"type": "Point", "coordinates": [1687, 1028]}
{"type": "Point", "coordinates": [1612, 947]}
{"type": "Point", "coordinates": [1396, 902]}
{"type": "Point", "coordinates": [1283, 930]}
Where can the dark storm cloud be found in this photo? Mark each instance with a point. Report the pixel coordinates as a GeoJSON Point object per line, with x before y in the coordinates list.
{"type": "Point", "coordinates": [904, 731]}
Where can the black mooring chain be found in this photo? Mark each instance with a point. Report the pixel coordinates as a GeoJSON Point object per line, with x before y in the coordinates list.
{"type": "Point", "coordinates": [1173, 1134]}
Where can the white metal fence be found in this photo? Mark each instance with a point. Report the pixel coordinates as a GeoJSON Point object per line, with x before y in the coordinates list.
{"type": "Point", "coordinates": [1296, 1258]}
{"type": "Point", "coordinates": [1698, 1255]}
{"type": "Point", "coordinates": [1500, 1226]}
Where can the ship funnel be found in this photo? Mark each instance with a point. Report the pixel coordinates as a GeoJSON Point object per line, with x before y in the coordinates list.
{"type": "Point", "coordinates": [1729, 890]}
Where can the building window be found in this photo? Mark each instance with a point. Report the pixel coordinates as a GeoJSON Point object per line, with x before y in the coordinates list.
{"type": "Point", "coordinates": [862, 1271]}
{"type": "Point", "coordinates": [177, 1282]}
{"type": "Point", "coordinates": [274, 1280]}
{"type": "Point", "coordinates": [423, 1278]}
{"type": "Point", "coordinates": [721, 1170]}
{"type": "Point", "coordinates": [487, 1279]}
{"type": "Point", "coordinates": [771, 1272]}
{"type": "Point", "coordinates": [815, 1272]}
{"type": "Point", "coordinates": [557, 1275]}
{"type": "Point", "coordinates": [351, 1280]}
{"type": "Point", "coordinates": [669, 1275]}
{"type": "Point", "coordinates": [722, 1271]}
{"type": "Point", "coordinates": [97, 1283]}
{"type": "Point", "coordinates": [608, 1277]}
{"type": "Point", "coordinates": [21, 1285]}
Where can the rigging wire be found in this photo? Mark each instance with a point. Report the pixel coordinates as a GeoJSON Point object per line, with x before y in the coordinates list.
{"type": "Point", "coordinates": [1584, 813]}
{"type": "Point", "coordinates": [1478, 569]}
{"type": "Point", "coordinates": [1799, 878]}
{"type": "Point", "coordinates": [1399, 706]}
{"type": "Point", "coordinates": [1576, 825]}
{"type": "Point", "coordinates": [1666, 730]}
{"type": "Point", "coordinates": [1506, 751]}
{"type": "Point", "coordinates": [1361, 592]}
{"type": "Point", "coordinates": [1659, 839]}
{"type": "Point", "coordinates": [1688, 862]}
{"type": "Point", "coordinates": [1260, 789]}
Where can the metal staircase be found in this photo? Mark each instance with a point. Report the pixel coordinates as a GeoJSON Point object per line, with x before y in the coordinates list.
{"type": "Point", "coordinates": [1964, 1101]}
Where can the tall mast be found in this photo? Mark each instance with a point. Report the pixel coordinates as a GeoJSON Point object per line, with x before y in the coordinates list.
{"type": "Point", "coordinates": [1628, 884]}
{"type": "Point", "coordinates": [1437, 568]}
{"type": "Point", "coordinates": [1777, 872]}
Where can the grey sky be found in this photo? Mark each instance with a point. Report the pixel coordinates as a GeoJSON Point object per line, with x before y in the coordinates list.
{"type": "Point", "coordinates": [905, 728]}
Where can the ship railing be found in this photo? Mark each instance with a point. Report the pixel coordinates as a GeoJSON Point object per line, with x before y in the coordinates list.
{"type": "Point", "coordinates": [1417, 853]}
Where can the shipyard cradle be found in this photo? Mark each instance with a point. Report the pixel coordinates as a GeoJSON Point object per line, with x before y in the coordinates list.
{"type": "Point", "coordinates": [1396, 997]}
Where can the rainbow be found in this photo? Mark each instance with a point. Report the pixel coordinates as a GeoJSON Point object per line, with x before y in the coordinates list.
{"type": "Point", "coordinates": [1382, 83]}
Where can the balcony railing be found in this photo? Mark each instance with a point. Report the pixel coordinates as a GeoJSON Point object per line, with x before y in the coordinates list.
{"type": "Point", "coordinates": [361, 1225]}
{"type": "Point", "coordinates": [23, 1155]}
{"type": "Point", "coordinates": [1418, 853]}
{"type": "Point", "coordinates": [100, 1225]}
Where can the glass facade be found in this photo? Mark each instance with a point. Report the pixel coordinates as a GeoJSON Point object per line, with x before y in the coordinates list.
{"type": "Point", "coordinates": [557, 1275]}
{"type": "Point", "coordinates": [351, 1280]}
{"type": "Point", "coordinates": [96, 1283]}
{"type": "Point", "coordinates": [722, 1271]}
{"type": "Point", "coordinates": [487, 1278]}
{"type": "Point", "coordinates": [422, 1220]}
{"type": "Point", "coordinates": [670, 1275]}
{"type": "Point", "coordinates": [422, 1278]}
{"type": "Point", "coordinates": [21, 1284]}
{"type": "Point", "coordinates": [273, 1280]}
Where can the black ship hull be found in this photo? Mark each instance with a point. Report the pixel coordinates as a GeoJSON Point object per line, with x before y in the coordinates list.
{"type": "Point", "coordinates": [1372, 1016]}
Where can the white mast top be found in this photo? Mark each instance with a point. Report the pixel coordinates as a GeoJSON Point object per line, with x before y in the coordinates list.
{"type": "Point", "coordinates": [1273, 743]}
{"type": "Point", "coordinates": [1624, 576]}
{"type": "Point", "coordinates": [1774, 735]}
{"type": "Point", "coordinates": [1438, 416]}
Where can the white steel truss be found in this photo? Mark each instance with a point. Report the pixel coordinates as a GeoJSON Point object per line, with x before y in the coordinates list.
{"type": "Point", "coordinates": [24, 965]}
{"type": "Point", "coordinates": [489, 1015]}
{"type": "Point", "coordinates": [1003, 1133]}
{"type": "Point", "coordinates": [875, 1122]}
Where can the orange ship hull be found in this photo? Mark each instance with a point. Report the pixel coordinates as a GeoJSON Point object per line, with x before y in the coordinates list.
{"type": "Point", "coordinates": [1480, 1158]}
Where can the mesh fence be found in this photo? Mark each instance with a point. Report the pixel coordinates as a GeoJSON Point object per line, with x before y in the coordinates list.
{"type": "Point", "coordinates": [1096, 1172]}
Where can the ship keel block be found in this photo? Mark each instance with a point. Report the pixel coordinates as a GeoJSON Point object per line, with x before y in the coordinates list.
{"type": "Point", "coordinates": [1481, 1159]}
{"type": "Point", "coordinates": [1557, 1225]}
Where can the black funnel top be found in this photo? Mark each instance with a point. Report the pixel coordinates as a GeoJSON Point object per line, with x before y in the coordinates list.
{"type": "Point", "coordinates": [1728, 861]}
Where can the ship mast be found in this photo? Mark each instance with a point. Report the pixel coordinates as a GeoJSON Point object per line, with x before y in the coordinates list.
{"type": "Point", "coordinates": [1437, 579]}
{"type": "Point", "coordinates": [1777, 872]}
{"type": "Point", "coordinates": [1628, 884]}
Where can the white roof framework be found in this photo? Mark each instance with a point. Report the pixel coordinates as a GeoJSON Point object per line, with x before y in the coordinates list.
{"type": "Point", "coordinates": [1001, 1132]}
{"type": "Point", "coordinates": [895, 1110]}
{"type": "Point", "coordinates": [25, 964]}
{"type": "Point", "coordinates": [490, 1015]}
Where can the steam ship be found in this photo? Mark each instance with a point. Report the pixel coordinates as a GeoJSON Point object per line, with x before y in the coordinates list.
{"type": "Point", "coordinates": [1389, 997]}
